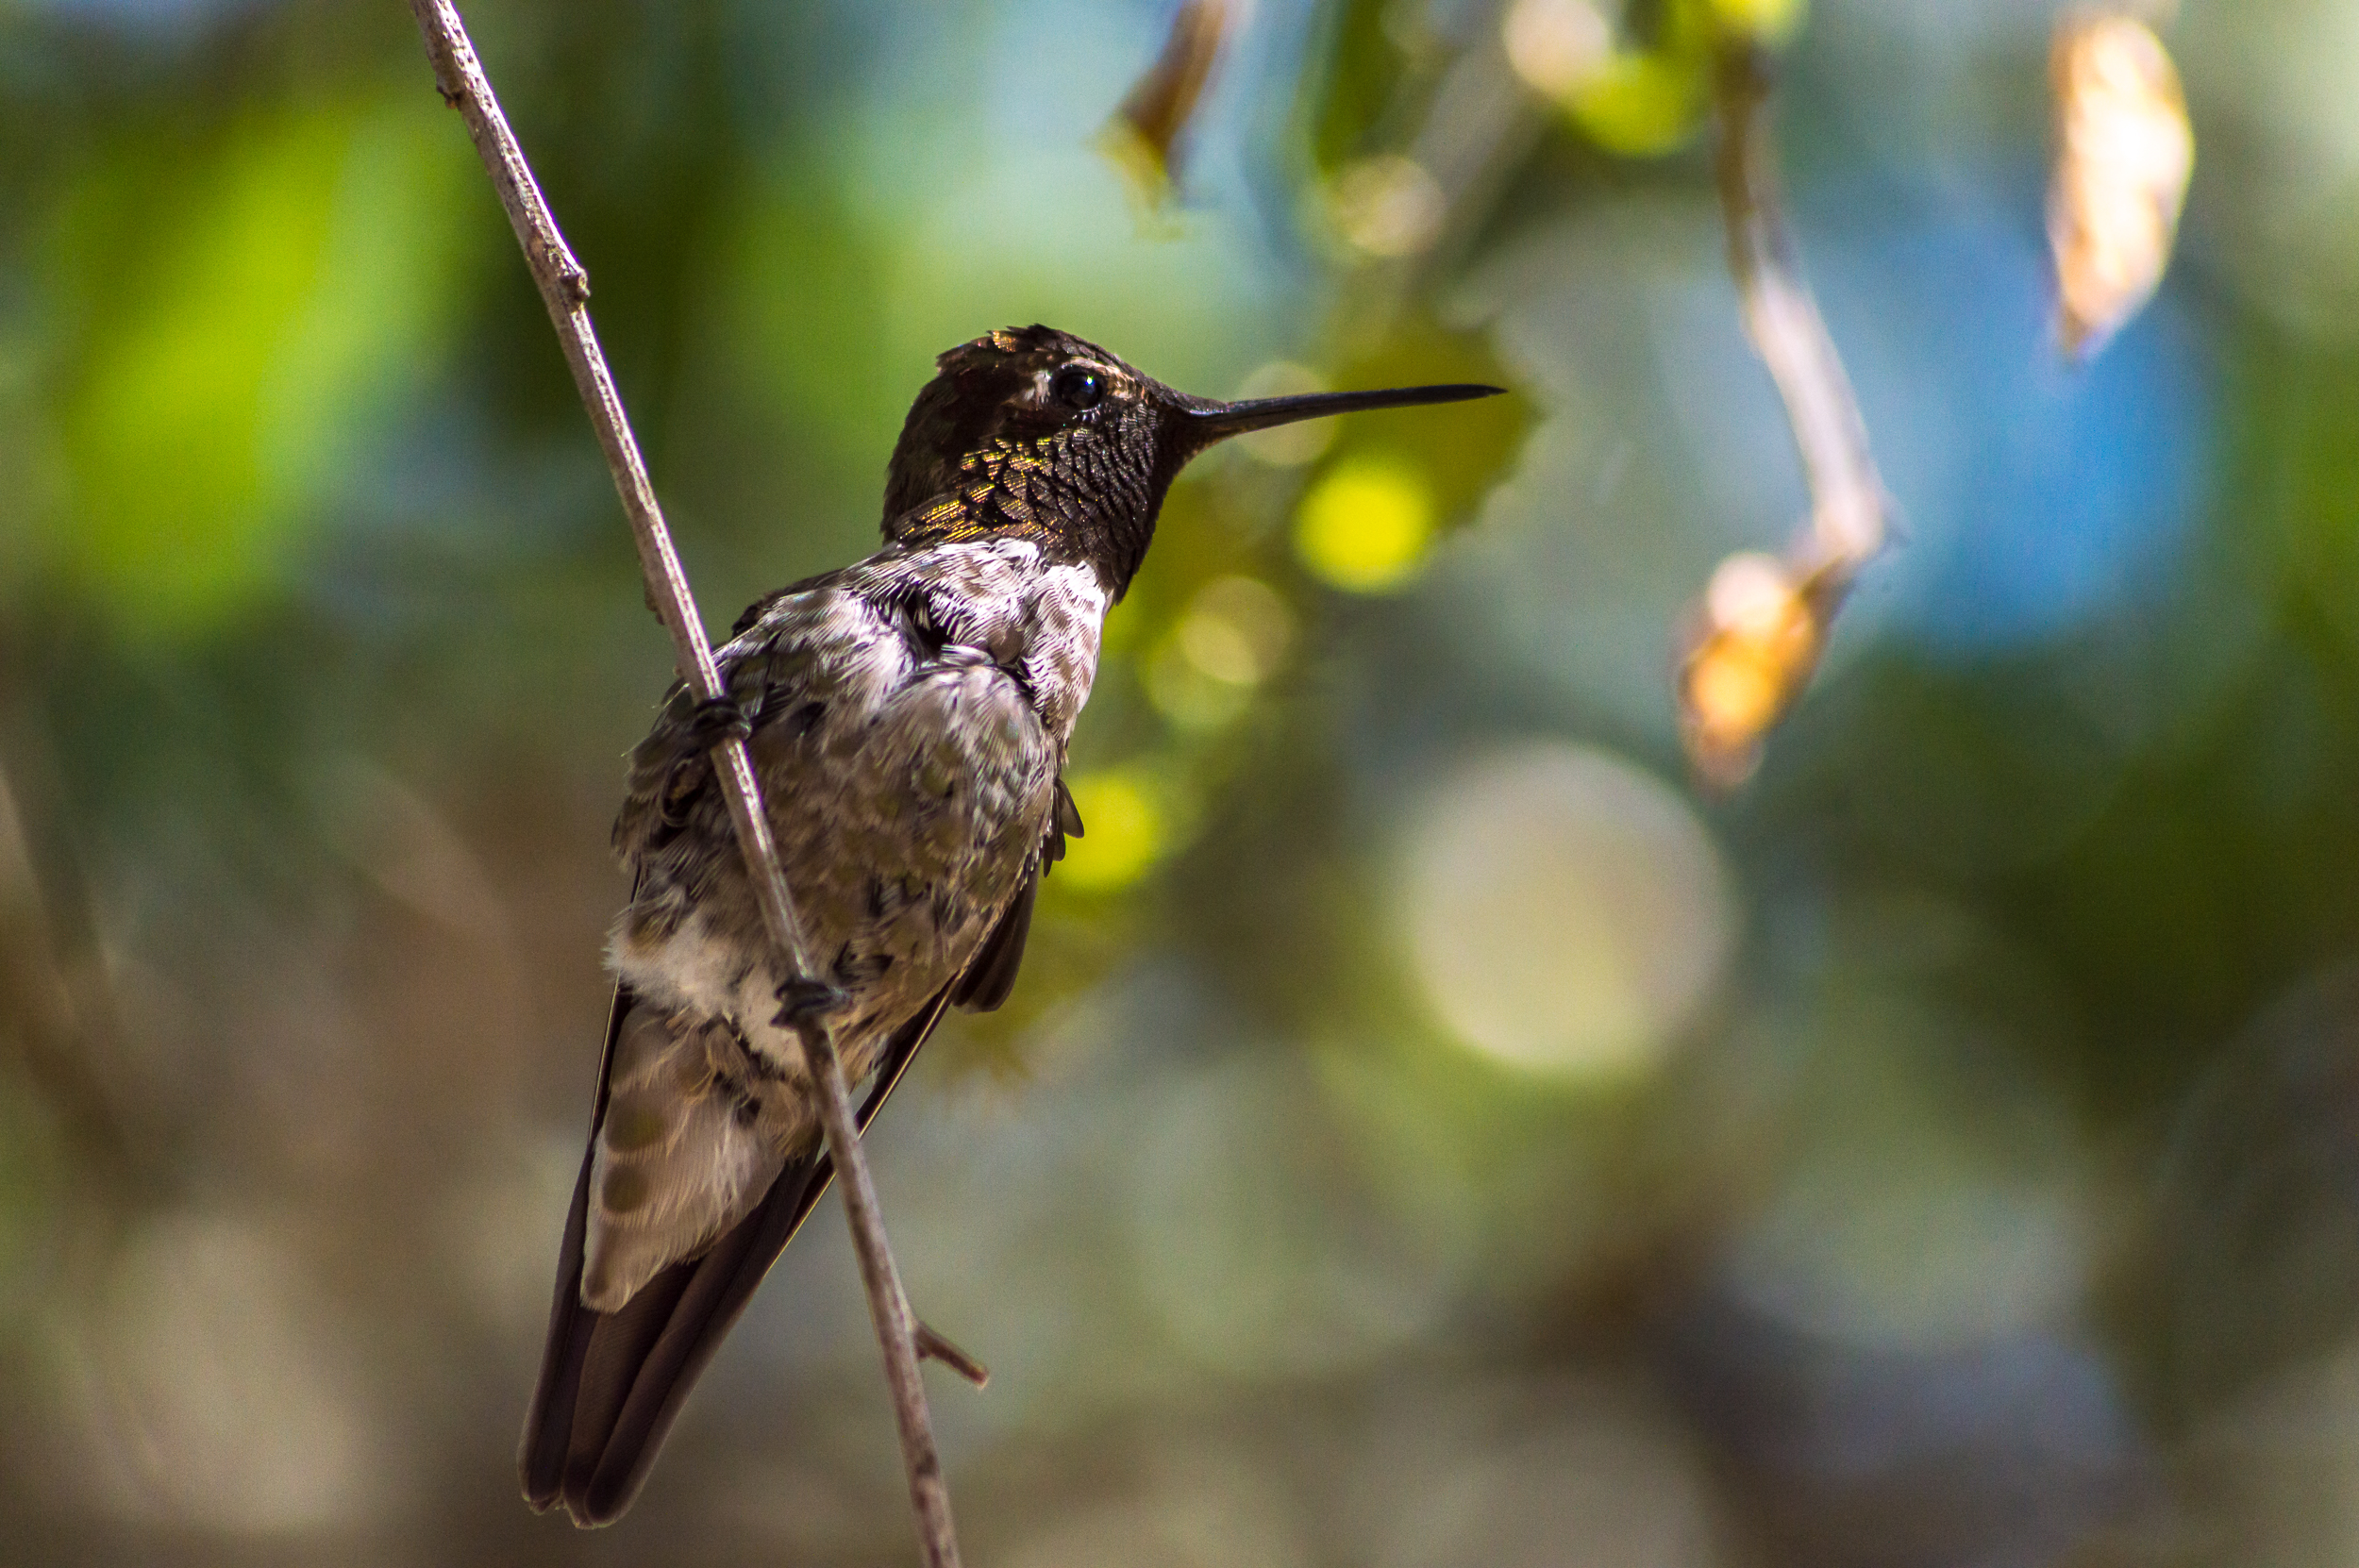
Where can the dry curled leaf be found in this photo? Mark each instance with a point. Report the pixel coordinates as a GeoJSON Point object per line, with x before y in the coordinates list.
{"type": "Point", "coordinates": [1145, 132]}
{"type": "Point", "coordinates": [2124, 152]}
{"type": "Point", "coordinates": [1756, 639]}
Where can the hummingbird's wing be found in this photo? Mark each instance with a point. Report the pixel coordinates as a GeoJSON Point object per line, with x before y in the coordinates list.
{"type": "Point", "coordinates": [611, 1383]}
{"type": "Point", "coordinates": [990, 974]}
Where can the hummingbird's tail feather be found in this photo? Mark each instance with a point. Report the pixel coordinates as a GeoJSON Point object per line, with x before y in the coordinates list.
{"type": "Point", "coordinates": [611, 1382]}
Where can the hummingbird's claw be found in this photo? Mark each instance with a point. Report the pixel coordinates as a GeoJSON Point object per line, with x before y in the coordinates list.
{"type": "Point", "coordinates": [718, 719]}
{"type": "Point", "coordinates": [803, 999]}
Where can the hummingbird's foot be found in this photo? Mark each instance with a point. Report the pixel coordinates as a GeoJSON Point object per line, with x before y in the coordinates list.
{"type": "Point", "coordinates": [715, 719]}
{"type": "Point", "coordinates": [803, 1000]}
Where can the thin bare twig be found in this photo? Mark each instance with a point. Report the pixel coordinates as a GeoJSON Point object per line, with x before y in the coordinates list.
{"type": "Point", "coordinates": [936, 1348]}
{"type": "Point", "coordinates": [1764, 622]}
{"type": "Point", "coordinates": [1847, 497]}
{"type": "Point", "coordinates": [566, 290]}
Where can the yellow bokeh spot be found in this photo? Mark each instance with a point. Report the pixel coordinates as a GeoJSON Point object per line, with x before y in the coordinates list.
{"type": "Point", "coordinates": [1184, 692]}
{"type": "Point", "coordinates": [1123, 833]}
{"type": "Point", "coordinates": [1365, 525]}
{"type": "Point", "coordinates": [1236, 631]}
{"type": "Point", "coordinates": [1771, 21]}
{"type": "Point", "coordinates": [1641, 104]}
{"type": "Point", "coordinates": [1233, 636]}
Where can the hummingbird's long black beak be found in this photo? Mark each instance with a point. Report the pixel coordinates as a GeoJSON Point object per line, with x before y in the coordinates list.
{"type": "Point", "coordinates": [1209, 422]}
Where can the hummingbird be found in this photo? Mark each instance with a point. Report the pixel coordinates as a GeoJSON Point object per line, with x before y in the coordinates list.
{"type": "Point", "coordinates": [908, 719]}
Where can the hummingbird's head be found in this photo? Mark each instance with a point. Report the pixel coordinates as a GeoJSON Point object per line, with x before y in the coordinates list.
{"type": "Point", "coordinates": [1034, 432]}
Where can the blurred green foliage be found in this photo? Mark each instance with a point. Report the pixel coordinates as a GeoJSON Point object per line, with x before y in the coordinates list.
{"type": "Point", "coordinates": [256, 307]}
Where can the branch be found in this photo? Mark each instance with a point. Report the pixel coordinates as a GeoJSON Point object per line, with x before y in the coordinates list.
{"type": "Point", "coordinates": [933, 1347]}
{"type": "Point", "coordinates": [1847, 497]}
{"type": "Point", "coordinates": [1764, 622]}
{"type": "Point", "coordinates": [54, 982]}
{"type": "Point", "coordinates": [566, 290]}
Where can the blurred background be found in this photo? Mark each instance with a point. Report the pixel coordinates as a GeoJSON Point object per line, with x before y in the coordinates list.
{"type": "Point", "coordinates": [1429, 1131]}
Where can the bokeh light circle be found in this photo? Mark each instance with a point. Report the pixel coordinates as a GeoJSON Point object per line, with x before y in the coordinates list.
{"type": "Point", "coordinates": [1365, 526]}
{"type": "Point", "coordinates": [1124, 831]}
{"type": "Point", "coordinates": [1388, 206]}
{"type": "Point", "coordinates": [1556, 45]}
{"type": "Point", "coordinates": [1565, 912]}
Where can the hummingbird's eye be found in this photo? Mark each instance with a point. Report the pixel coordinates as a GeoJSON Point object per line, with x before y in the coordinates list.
{"type": "Point", "coordinates": [1077, 387]}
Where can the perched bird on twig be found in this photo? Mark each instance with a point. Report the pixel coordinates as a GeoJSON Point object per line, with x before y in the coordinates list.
{"type": "Point", "coordinates": [908, 717]}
